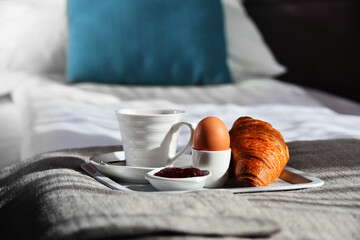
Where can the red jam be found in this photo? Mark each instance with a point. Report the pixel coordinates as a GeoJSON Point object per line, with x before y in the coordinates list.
{"type": "Point", "coordinates": [179, 172]}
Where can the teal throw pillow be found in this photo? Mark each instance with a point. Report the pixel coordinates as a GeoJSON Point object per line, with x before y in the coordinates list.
{"type": "Point", "coordinates": [147, 42]}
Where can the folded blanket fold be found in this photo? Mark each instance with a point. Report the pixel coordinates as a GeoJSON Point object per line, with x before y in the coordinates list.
{"type": "Point", "coordinates": [50, 197]}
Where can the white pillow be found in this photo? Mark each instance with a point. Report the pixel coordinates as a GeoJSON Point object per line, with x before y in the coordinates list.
{"type": "Point", "coordinates": [248, 54]}
{"type": "Point", "coordinates": [33, 37]}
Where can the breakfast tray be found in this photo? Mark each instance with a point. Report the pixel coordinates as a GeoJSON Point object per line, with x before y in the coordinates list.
{"type": "Point", "coordinates": [290, 179]}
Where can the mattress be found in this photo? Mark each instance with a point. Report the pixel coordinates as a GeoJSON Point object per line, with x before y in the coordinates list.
{"type": "Point", "coordinates": [56, 115]}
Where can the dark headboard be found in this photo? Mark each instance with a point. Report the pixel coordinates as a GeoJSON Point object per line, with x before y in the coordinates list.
{"type": "Point", "coordinates": [317, 40]}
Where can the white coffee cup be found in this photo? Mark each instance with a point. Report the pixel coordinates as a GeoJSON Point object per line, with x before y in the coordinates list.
{"type": "Point", "coordinates": [150, 136]}
{"type": "Point", "coordinates": [216, 161]}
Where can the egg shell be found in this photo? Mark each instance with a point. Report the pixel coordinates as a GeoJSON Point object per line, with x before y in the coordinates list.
{"type": "Point", "coordinates": [211, 134]}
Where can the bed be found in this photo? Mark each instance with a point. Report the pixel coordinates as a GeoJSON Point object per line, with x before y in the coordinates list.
{"type": "Point", "coordinates": [55, 116]}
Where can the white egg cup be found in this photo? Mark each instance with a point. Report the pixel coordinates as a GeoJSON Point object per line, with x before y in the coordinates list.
{"type": "Point", "coordinates": [216, 161]}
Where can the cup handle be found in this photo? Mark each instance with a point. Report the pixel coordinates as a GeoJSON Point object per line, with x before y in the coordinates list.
{"type": "Point", "coordinates": [173, 130]}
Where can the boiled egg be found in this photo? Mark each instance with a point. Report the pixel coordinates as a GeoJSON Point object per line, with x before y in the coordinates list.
{"type": "Point", "coordinates": [211, 134]}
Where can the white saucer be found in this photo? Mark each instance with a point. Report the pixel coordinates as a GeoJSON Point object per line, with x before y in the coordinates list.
{"type": "Point", "coordinates": [124, 173]}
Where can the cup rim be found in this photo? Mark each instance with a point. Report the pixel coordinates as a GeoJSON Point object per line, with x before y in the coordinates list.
{"type": "Point", "coordinates": [149, 112]}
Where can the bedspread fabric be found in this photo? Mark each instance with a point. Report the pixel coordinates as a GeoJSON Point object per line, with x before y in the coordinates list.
{"type": "Point", "coordinates": [50, 197]}
{"type": "Point", "coordinates": [328, 212]}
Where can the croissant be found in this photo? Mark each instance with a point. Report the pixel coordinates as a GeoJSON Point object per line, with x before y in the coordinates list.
{"type": "Point", "coordinates": [258, 152]}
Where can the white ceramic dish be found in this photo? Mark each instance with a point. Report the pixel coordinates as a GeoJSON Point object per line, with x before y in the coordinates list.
{"type": "Point", "coordinates": [177, 184]}
{"type": "Point", "coordinates": [113, 164]}
{"type": "Point", "coordinates": [118, 168]}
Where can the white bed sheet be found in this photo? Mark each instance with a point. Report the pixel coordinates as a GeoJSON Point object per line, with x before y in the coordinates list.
{"type": "Point", "coordinates": [9, 132]}
{"type": "Point", "coordinates": [59, 116]}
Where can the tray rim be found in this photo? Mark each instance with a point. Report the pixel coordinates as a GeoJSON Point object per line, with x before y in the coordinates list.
{"type": "Point", "coordinates": [314, 182]}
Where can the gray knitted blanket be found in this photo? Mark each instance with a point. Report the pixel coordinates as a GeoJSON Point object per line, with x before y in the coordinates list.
{"type": "Point", "coordinates": [50, 197]}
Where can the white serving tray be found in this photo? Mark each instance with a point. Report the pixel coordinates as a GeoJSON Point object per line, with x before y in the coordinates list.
{"type": "Point", "coordinates": [290, 179]}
